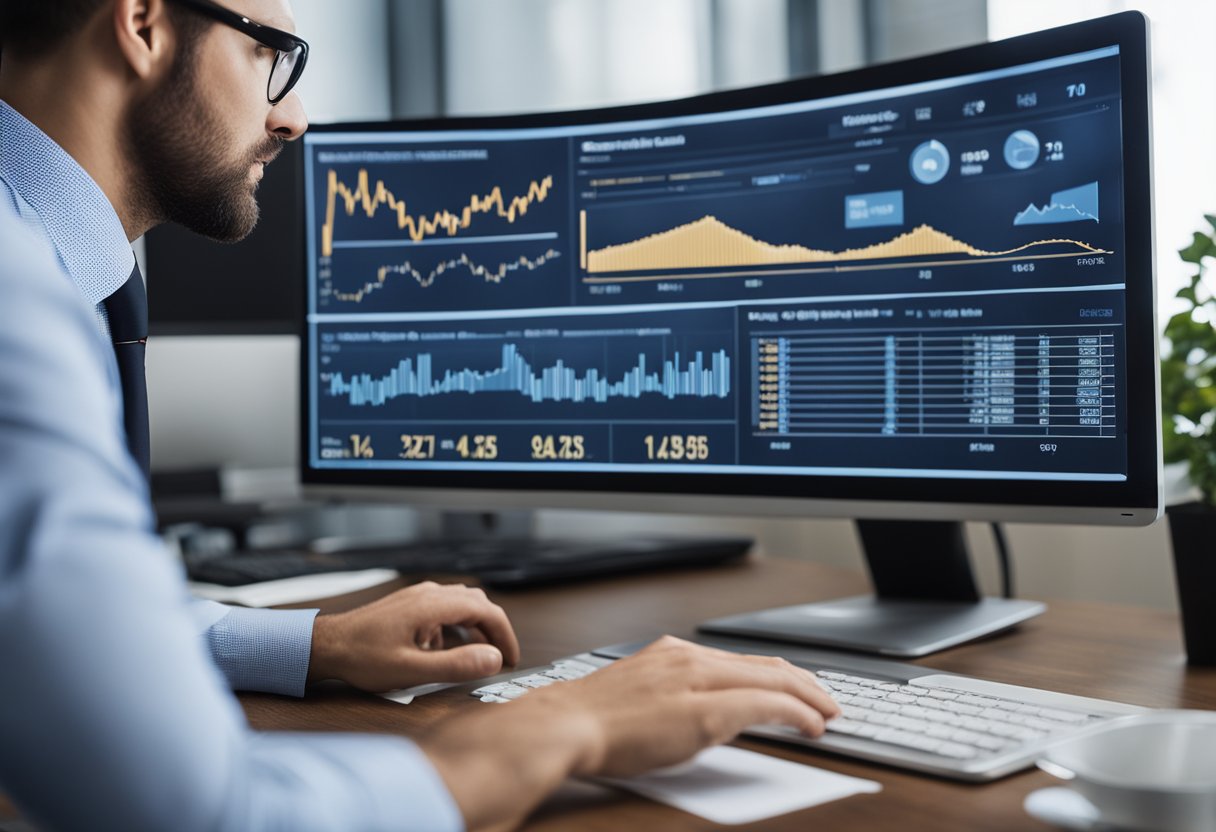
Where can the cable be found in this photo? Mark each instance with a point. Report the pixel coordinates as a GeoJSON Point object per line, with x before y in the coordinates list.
{"type": "Point", "coordinates": [1002, 556]}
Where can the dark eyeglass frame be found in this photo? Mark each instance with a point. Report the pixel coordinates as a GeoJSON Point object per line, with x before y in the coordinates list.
{"type": "Point", "coordinates": [284, 43]}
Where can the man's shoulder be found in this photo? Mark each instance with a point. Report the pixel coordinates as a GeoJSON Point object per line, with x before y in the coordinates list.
{"type": "Point", "coordinates": [27, 262]}
{"type": "Point", "coordinates": [55, 368]}
{"type": "Point", "coordinates": [40, 299]}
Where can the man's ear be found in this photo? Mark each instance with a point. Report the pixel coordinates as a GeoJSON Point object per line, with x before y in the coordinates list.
{"type": "Point", "coordinates": [145, 36]}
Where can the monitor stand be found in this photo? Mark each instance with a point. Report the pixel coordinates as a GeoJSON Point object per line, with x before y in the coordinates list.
{"type": "Point", "coordinates": [925, 599]}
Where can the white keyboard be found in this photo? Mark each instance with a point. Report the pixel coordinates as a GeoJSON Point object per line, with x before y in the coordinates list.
{"type": "Point", "coordinates": [942, 720]}
{"type": "Point", "coordinates": [955, 726]}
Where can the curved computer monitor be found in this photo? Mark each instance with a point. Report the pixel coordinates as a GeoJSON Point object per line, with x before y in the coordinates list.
{"type": "Point", "coordinates": [918, 290]}
{"type": "Point", "coordinates": [921, 291]}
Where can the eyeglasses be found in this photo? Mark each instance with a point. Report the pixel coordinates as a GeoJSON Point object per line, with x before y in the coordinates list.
{"type": "Point", "coordinates": [291, 52]}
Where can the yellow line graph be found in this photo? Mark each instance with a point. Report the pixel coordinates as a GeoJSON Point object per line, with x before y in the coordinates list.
{"type": "Point", "coordinates": [368, 198]}
{"type": "Point", "coordinates": [711, 243]}
{"type": "Point", "coordinates": [494, 274]}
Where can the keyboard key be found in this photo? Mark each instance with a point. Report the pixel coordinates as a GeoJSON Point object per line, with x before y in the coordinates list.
{"type": "Point", "coordinates": [967, 710]}
{"type": "Point", "coordinates": [575, 666]}
{"type": "Point", "coordinates": [563, 675]}
{"type": "Point", "coordinates": [840, 725]}
{"type": "Point", "coordinates": [907, 723]}
{"type": "Point", "coordinates": [488, 689]}
{"type": "Point", "coordinates": [957, 751]}
{"type": "Point", "coordinates": [966, 737]}
{"type": "Point", "coordinates": [979, 701]}
{"type": "Point", "coordinates": [534, 680]}
{"type": "Point", "coordinates": [1044, 725]}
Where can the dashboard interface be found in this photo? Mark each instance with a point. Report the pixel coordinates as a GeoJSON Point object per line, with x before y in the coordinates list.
{"type": "Point", "coordinates": [924, 280]}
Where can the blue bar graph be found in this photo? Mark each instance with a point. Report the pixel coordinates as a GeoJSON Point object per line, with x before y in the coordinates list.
{"type": "Point", "coordinates": [558, 383]}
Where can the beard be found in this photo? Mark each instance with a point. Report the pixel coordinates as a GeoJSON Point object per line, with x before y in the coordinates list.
{"type": "Point", "coordinates": [187, 169]}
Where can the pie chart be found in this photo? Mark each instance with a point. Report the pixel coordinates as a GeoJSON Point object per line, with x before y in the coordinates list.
{"type": "Point", "coordinates": [929, 162]}
{"type": "Point", "coordinates": [1021, 149]}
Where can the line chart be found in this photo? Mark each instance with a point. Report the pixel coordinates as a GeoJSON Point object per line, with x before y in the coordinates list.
{"type": "Point", "coordinates": [370, 199]}
{"type": "Point", "coordinates": [488, 274]}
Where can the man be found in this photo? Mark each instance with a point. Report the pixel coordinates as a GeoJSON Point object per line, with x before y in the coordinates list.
{"type": "Point", "coordinates": [162, 157]}
{"type": "Point", "coordinates": [116, 115]}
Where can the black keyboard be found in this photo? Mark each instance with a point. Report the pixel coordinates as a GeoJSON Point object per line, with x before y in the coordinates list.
{"type": "Point", "coordinates": [497, 563]}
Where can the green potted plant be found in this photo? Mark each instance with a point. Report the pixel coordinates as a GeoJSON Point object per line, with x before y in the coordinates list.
{"type": "Point", "coordinates": [1188, 397]}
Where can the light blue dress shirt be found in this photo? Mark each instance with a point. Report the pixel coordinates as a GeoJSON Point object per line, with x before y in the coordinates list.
{"type": "Point", "coordinates": [263, 650]}
{"type": "Point", "coordinates": [113, 715]}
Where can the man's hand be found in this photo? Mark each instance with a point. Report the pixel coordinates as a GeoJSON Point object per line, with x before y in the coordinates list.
{"type": "Point", "coordinates": [656, 708]}
{"type": "Point", "coordinates": [398, 641]}
{"type": "Point", "coordinates": [669, 701]}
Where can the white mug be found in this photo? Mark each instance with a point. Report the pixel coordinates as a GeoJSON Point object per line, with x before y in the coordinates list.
{"type": "Point", "coordinates": [1152, 771]}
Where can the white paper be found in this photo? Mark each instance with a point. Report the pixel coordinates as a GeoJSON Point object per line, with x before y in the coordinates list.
{"type": "Point", "coordinates": [405, 696]}
{"type": "Point", "coordinates": [730, 785]}
{"type": "Point", "coordinates": [293, 590]}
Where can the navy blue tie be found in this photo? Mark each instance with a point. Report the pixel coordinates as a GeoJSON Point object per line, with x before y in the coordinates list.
{"type": "Point", "coordinates": [127, 310]}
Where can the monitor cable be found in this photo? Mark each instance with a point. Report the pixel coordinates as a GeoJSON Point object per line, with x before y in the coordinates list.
{"type": "Point", "coordinates": [1002, 556]}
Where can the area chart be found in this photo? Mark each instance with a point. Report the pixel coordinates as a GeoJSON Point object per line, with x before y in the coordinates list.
{"type": "Point", "coordinates": [711, 243]}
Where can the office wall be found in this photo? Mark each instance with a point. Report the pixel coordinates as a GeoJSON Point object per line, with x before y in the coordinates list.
{"type": "Point", "coordinates": [1129, 566]}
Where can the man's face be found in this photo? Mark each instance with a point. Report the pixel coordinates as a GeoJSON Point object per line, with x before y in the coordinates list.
{"type": "Point", "coordinates": [200, 140]}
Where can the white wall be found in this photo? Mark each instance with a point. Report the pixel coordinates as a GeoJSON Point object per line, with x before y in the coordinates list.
{"type": "Point", "coordinates": [526, 55]}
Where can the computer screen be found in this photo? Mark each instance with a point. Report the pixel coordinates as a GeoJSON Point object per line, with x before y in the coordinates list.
{"type": "Point", "coordinates": [918, 289]}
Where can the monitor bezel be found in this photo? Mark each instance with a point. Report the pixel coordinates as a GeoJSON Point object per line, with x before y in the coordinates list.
{"type": "Point", "coordinates": [1136, 501]}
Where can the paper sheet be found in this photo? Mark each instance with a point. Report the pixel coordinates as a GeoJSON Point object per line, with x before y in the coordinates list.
{"type": "Point", "coordinates": [730, 785]}
{"type": "Point", "coordinates": [293, 590]}
{"type": "Point", "coordinates": [405, 696]}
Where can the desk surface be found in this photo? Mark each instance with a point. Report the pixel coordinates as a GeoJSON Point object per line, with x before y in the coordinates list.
{"type": "Point", "coordinates": [1113, 652]}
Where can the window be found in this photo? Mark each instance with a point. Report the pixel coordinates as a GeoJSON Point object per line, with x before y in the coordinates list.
{"type": "Point", "coordinates": [1184, 120]}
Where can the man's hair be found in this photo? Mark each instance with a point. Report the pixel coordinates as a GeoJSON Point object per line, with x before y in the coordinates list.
{"type": "Point", "coordinates": [31, 27]}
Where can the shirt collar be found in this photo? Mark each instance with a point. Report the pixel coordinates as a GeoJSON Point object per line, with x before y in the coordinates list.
{"type": "Point", "coordinates": [79, 220]}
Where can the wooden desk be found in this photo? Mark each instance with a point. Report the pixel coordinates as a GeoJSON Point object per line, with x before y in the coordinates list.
{"type": "Point", "coordinates": [1113, 652]}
